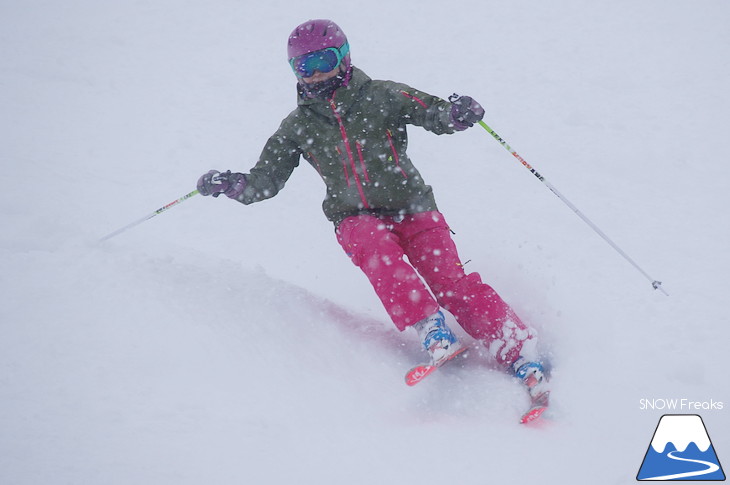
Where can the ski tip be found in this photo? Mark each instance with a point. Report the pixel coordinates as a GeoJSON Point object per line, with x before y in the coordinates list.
{"type": "Point", "coordinates": [418, 373]}
{"type": "Point", "coordinates": [533, 414]}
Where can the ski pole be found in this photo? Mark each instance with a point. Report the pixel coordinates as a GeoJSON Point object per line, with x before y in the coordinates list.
{"type": "Point", "coordinates": [654, 283]}
{"type": "Point", "coordinates": [150, 216]}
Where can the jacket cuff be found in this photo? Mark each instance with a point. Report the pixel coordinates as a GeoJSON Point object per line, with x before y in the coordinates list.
{"type": "Point", "coordinates": [237, 185]}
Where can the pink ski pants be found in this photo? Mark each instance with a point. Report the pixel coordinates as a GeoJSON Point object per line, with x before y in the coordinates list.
{"type": "Point", "coordinates": [377, 245]}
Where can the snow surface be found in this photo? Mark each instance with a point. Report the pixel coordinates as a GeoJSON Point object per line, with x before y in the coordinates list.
{"type": "Point", "coordinates": [224, 344]}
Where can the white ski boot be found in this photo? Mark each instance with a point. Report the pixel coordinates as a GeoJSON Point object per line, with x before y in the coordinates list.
{"type": "Point", "coordinates": [532, 375]}
{"type": "Point", "coordinates": [437, 338]}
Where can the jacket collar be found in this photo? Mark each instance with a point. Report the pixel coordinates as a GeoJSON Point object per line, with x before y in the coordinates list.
{"type": "Point", "coordinates": [344, 97]}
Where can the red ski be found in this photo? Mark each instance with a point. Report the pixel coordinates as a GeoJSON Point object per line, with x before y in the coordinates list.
{"type": "Point", "coordinates": [420, 372]}
{"type": "Point", "coordinates": [538, 405]}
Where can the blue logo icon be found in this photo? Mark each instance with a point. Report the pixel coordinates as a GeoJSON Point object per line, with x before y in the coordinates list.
{"type": "Point", "coordinates": [681, 450]}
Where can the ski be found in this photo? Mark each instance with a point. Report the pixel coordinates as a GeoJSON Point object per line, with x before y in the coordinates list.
{"type": "Point", "coordinates": [420, 372]}
{"type": "Point", "coordinates": [538, 405]}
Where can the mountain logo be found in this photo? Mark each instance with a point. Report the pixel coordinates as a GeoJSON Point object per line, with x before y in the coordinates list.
{"type": "Point", "coordinates": [680, 450]}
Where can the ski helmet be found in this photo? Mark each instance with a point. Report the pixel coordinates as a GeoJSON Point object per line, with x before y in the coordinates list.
{"type": "Point", "coordinates": [315, 35]}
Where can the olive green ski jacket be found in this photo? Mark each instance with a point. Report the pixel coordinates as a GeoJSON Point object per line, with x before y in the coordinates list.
{"type": "Point", "coordinates": [357, 142]}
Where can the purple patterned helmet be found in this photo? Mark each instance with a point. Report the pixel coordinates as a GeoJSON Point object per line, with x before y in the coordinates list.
{"type": "Point", "coordinates": [313, 36]}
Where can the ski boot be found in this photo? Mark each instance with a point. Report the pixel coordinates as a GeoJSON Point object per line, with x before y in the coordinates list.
{"type": "Point", "coordinates": [532, 375]}
{"type": "Point", "coordinates": [440, 343]}
{"type": "Point", "coordinates": [437, 338]}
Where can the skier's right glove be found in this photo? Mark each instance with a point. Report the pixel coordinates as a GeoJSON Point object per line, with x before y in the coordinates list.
{"type": "Point", "coordinates": [216, 183]}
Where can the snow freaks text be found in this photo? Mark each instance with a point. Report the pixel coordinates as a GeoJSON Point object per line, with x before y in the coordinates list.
{"type": "Point", "coordinates": [680, 405]}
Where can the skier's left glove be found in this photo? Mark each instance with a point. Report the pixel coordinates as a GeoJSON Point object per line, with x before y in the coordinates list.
{"type": "Point", "coordinates": [216, 183]}
{"type": "Point", "coordinates": [465, 111]}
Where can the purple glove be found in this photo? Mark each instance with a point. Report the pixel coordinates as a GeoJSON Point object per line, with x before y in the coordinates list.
{"type": "Point", "coordinates": [216, 183]}
{"type": "Point", "coordinates": [464, 112]}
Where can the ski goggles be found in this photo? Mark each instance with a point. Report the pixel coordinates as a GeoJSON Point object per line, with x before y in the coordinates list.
{"type": "Point", "coordinates": [324, 61]}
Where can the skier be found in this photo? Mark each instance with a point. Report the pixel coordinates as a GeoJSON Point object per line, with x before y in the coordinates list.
{"type": "Point", "coordinates": [352, 130]}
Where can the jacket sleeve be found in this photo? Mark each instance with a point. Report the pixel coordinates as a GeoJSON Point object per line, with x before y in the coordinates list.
{"type": "Point", "coordinates": [422, 109]}
{"type": "Point", "coordinates": [278, 160]}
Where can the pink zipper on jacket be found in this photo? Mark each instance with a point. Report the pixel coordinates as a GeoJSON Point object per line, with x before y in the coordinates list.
{"type": "Point", "coordinates": [395, 153]}
{"type": "Point", "coordinates": [414, 98]}
{"type": "Point", "coordinates": [362, 161]}
{"type": "Point", "coordinates": [350, 156]}
{"type": "Point", "coordinates": [316, 162]}
{"type": "Point", "coordinates": [344, 166]}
